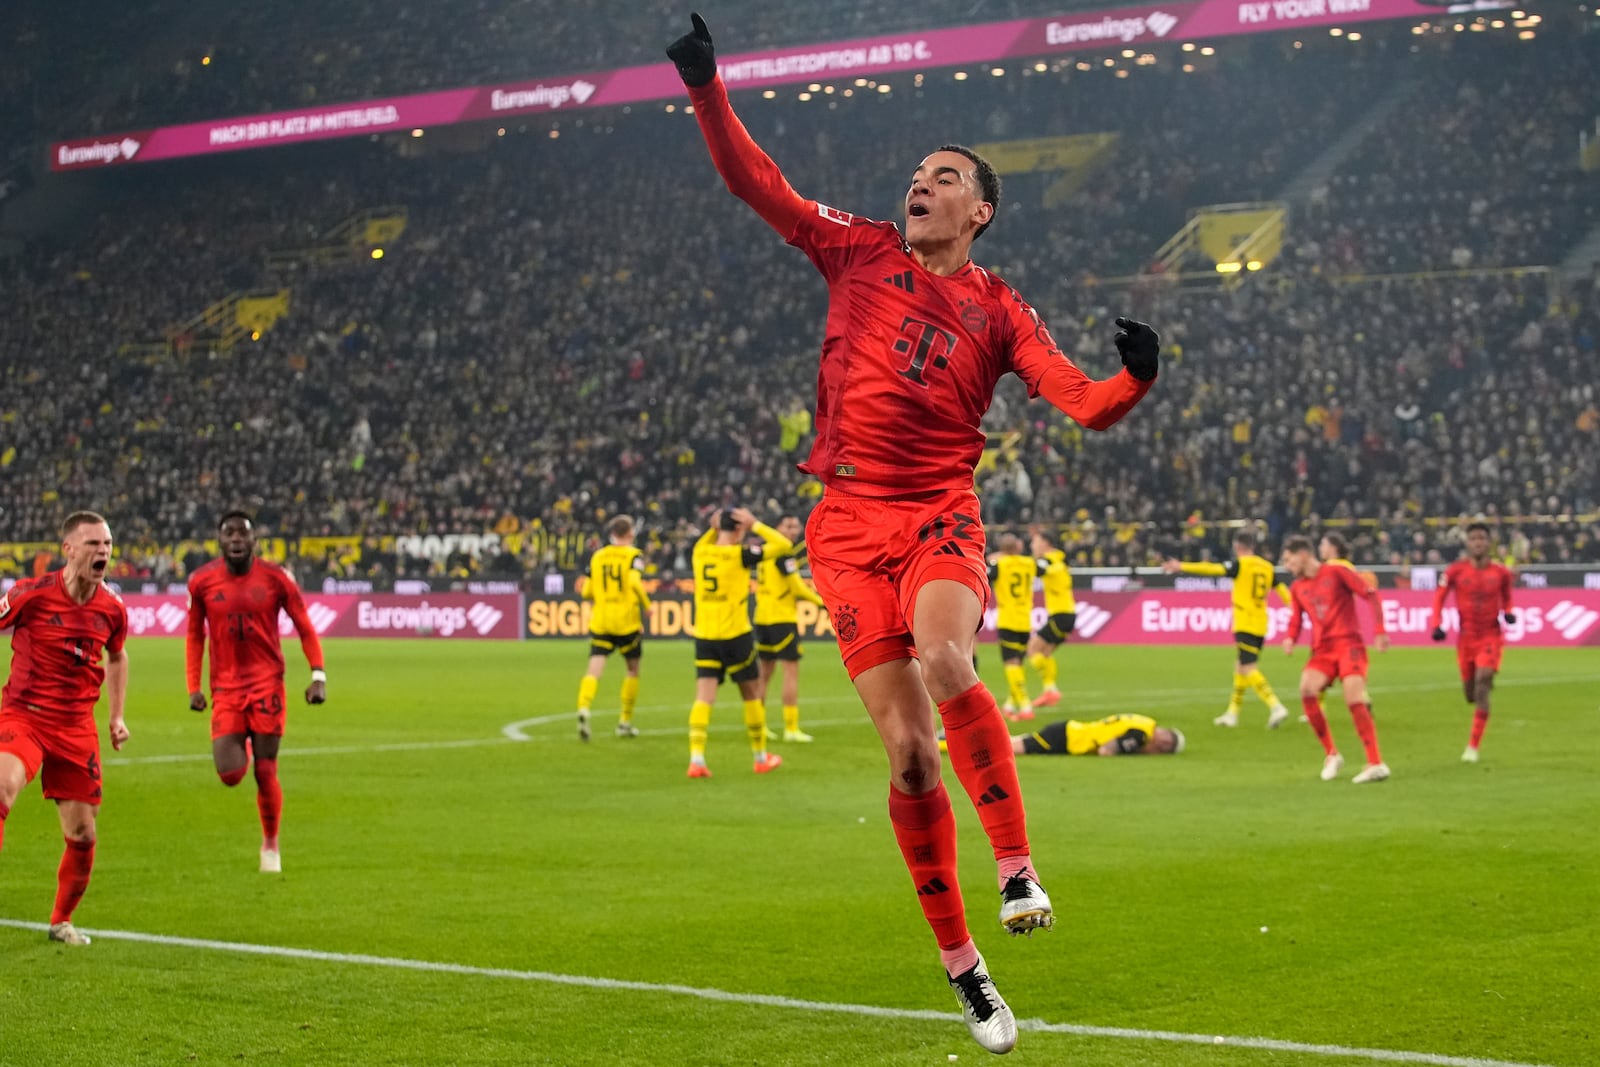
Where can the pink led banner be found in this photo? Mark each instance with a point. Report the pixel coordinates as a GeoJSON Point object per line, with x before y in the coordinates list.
{"type": "Point", "coordinates": [872, 56]}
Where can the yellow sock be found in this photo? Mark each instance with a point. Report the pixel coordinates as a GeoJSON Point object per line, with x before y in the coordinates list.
{"type": "Point", "coordinates": [1263, 688]}
{"type": "Point", "coordinates": [630, 697]}
{"type": "Point", "coordinates": [586, 691]}
{"type": "Point", "coordinates": [791, 717]}
{"type": "Point", "coordinates": [1046, 666]}
{"type": "Point", "coordinates": [1236, 701]}
{"type": "Point", "coordinates": [755, 725]}
{"type": "Point", "coordinates": [699, 719]}
{"type": "Point", "coordinates": [1017, 683]}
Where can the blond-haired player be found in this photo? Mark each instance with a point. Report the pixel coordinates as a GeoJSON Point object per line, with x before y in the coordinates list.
{"type": "Point", "coordinates": [616, 586]}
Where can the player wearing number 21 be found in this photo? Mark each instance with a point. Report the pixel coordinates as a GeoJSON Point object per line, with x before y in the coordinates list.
{"type": "Point", "coordinates": [916, 339]}
{"type": "Point", "coordinates": [236, 600]}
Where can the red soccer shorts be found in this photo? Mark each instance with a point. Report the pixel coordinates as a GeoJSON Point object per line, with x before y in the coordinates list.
{"type": "Point", "coordinates": [247, 711]}
{"type": "Point", "coordinates": [67, 753]}
{"type": "Point", "coordinates": [1480, 653]}
{"type": "Point", "coordinates": [870, 557]}
{"type": "Point", "coordinates": [1348, 660]}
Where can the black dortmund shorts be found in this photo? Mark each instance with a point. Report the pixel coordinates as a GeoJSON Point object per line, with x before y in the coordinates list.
{"type": "Point", "coordinates": [778, 641]}
{"type": "Point", "coordinates": [733, 658]}
{"type": "Point", "coordinates": [628, 646]}
{"type": "Point", "coordinates": [1249, 646]}
{"type": "Point", "coordinates": [1058, 627]}
{"type": "Point", "coordinates": [1013, 646]}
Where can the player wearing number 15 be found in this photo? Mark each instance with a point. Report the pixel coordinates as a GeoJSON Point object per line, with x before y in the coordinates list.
{"type": "Point", "coordinates": [236, 600]}
{"type": "Point", "coordinates": [60, 625]}
{"type": "Point", "coordinates": [724, 640]}
{"type": "Point", "coordinates": [616, 586]}
{"type": "Point", "coordinates": [917, 337]}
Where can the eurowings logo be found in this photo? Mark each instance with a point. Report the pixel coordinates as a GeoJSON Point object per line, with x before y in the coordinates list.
{"type": "Point", "coordinates": [484, 618]}
{"type": "Point", "coordinates": [130, 147]}
{"type": "Point", "coordinates": [1091, 620]}
{"type": "Point", "coordinates": [1160, 23]}
{"type": "Point", "coordinates": [582, 91]}
{"type": "Point", "coordinates": [1572, 620]}
{"type": "Point", "coordinates": [170, 617]}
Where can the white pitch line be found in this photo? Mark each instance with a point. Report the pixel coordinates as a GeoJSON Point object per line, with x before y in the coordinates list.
{"type": "Point", "coordinates": [766, 1000]}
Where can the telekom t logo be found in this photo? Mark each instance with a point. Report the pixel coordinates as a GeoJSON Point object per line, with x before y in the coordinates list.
{"type": "Point", "coordinates": [926, 344]}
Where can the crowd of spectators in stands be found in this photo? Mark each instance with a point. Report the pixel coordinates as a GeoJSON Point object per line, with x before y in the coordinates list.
{"type": "Point", "coordinates": [577, 326]}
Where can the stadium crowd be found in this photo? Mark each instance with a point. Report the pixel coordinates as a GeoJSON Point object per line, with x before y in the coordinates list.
{"type": "Point", "coordinates": [559, 337]}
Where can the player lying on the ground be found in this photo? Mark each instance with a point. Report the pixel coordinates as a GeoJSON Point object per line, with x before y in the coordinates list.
{"type": "Point", "coordinates": [1114, 735]}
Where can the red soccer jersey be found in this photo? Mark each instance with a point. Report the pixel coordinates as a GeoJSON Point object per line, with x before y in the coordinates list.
{"type": "Point", "coordinates": [56, 646]}
{"type": "Point", "coordinates": [1330, 599]}
{"type": "Point", "coordinates": [241, 613]}
{"type": "Point", "coordinates": [1482, 593]}
{"type": "Point", "coordinates": [910, 359]}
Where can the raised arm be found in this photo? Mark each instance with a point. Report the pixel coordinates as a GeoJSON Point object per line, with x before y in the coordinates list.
{"type": "Point", "coordinates": [1099, 405]}
{"type": "Point", "coordinates": [750, 173]}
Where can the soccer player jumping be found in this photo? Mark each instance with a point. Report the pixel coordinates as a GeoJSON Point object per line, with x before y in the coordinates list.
{"type": "Point", "coordinates": [1482, 588]}
{"type": "Point", "coordinates": [61, 625]}
{"type": "Point", "coordinates": [237, 598]}
{"type": "Point", "coordinates": [917, 337]}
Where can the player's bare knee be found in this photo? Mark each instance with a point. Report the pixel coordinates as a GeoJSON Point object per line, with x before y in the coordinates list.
{"type": "Point", "coordinates": [947, 670]}
{"type": "Point", "coordinates": [915, 773]}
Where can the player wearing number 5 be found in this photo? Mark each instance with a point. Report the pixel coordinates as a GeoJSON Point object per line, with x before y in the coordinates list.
{"type": "Point", "coordinates": [724, 641]}
{"type": "Point", "coordinates": [916, 339]}
{"type": "Point", "coordinates": [236, 600]}
{"type": "Point", "coordinates": [616, 586]}
{"type": "Point", "coordinates": [1253, 578]}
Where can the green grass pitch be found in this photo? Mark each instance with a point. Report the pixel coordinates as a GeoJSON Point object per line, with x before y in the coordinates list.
{"type": "Point", "coordinates": [1453, 911]}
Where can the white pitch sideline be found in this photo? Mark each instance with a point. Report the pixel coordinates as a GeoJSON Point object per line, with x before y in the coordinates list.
{"type": "Point", "coordinates": [1429, 1059]}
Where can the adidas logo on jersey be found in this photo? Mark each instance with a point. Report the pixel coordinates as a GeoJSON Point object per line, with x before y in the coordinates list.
{"type": "Point", "coordinates": [904, 280]}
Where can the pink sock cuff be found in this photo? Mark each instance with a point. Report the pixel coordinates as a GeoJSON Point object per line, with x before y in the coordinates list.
{"type": "Point", "coordinates": [918, 812]}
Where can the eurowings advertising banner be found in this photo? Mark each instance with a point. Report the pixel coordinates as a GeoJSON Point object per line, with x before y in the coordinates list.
{"type": "Point", "coordinates": [1546, 618]}
{"type": "Point", "coordinates": [457, 616]}
{"type": "Point", "coordinates": [882, 56]}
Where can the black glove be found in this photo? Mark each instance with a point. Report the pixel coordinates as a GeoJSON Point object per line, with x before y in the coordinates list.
{"type": "Point", "coordinates": [693, 54]}
{"type": "Point", "coordinates": [1140, 348]}
{"type": "Point", "coordinates": [1511, 618]}
{"type": "Point", "coordinates": [1438, 633]}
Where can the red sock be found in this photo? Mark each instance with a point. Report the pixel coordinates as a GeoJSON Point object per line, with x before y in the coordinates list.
{"type": "Point", "coordinates": [5, 809]}
{"type": "Point", "coordinates": [980, 754]}
{"type": "Point", "coordinates": [233, 777]}
{"type": "Point", "coordinates": [1319, 723]}
{"type": "Point", "coordinates": [72, 878]}
{"type": "Point", "coordinates": [925, 827]}
{"type": "Point", "coordinates": [269, 798]}
{"type": "Point", "coordinates": [1367, 730]}
{"type": "Point", "coordinates": [1480, 722]}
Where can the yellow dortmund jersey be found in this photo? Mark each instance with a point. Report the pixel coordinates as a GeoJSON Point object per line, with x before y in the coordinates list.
{"type": "Point", "coordinates": [1058, 598]}
{"type": "Point", "coordinates": [779, 588]}
{"type": "Point", "coordinates": [617, 588]}
{"type": "Point", "coordinates": [1085, 738]}
{"type": "Point", "coordinates": [1253, 579]}
{"type": "Point", "coordinates": [1012, 578]}
{"type": "Point", "coordinates": [722, 582]}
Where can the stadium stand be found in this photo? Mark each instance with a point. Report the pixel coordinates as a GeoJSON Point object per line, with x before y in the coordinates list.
{"type": "Point", "coordinates": [578, 321]}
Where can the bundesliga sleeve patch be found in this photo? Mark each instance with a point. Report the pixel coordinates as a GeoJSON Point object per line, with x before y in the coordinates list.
{"type": "Point", "coordinates": [833, 214]}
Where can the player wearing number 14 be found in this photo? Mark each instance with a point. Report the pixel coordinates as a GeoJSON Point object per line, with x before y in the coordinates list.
{"type": "Point", "coordinates": [236, 600]}
{"type": "Point", "coordinates": [616, 588]}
